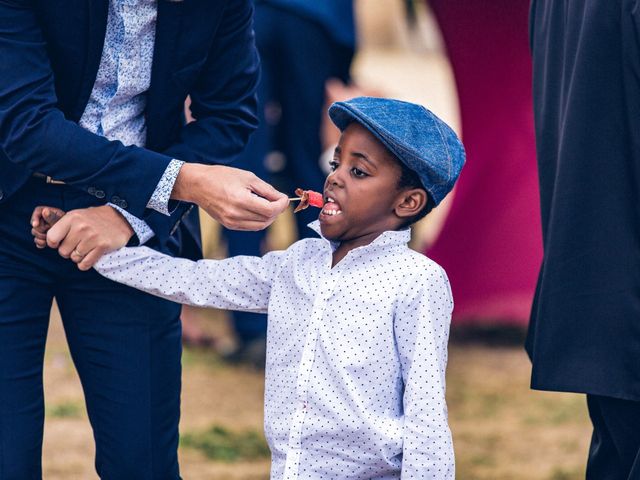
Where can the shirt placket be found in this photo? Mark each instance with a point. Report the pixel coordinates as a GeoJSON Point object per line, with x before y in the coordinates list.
{"type": "Point", "coordinates": [294, 451]}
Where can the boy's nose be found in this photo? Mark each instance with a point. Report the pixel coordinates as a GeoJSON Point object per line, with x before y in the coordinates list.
{"type": "Point", "coordinates": [335, 179]}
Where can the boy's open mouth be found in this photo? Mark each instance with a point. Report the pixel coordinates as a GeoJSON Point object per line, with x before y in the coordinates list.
{"type": "Point", "coordinates": [331, 207]}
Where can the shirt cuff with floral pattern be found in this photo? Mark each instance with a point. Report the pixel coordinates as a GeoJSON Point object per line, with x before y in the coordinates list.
{"type": "Point", "coordinates": [142, 230]}
{"type": "Point", "coordinates": [159, 201]}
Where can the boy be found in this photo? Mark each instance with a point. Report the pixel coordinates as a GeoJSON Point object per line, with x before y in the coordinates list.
{"type": "Point", "coordinates": [358, 322]}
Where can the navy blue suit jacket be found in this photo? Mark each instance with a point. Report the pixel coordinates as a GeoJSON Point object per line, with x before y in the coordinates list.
{"type": "Point", "coordinates": [49, 56]}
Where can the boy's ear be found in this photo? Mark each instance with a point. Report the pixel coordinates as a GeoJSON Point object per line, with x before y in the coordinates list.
{"type": "Point", "coordinates": [411, 202]}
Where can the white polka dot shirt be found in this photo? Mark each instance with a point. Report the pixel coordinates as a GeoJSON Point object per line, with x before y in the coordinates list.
{"type": "Point", "coordinates": [356, 354]}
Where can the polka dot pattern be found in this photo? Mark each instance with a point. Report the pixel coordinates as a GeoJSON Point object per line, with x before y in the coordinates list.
{"type": "Point", "coordinates": [356, 354]}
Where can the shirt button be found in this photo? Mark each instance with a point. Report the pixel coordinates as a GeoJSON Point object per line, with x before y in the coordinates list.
{"type": "Point", "coordinates": [99, 194]}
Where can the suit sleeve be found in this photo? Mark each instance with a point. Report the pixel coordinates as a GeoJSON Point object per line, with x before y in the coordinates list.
{"type": "Point", "coordinates": [223, 103]}
{"type": "Point", "coordinates": [223, 98]}
{"type": "Point", "coordinates": [35, 133]}
{"type": "Point", "coordinates": [237, 283]}
{"type": "Point", "coordinates": [422, 330]}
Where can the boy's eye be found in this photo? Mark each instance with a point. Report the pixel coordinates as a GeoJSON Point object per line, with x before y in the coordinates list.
{"type": "Point", "coordinates": [358, 173]}
{"type": "Point", "coordinates": [333, 165]}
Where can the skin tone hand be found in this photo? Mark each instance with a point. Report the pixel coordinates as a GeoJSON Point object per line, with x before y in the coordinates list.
{"type": "Point", "coordinates": [82, 235]}
{"type": "Point", "coordinates": [42, 219]}
{"type": "Point", "coordinates": [236, 198]}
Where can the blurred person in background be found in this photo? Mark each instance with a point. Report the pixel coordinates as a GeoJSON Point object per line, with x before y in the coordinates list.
{"type": "Point", "coordinates": [490, 242]}
{"type": "Point", "coordinates": [91, 105]}
{"type": "Point", "coordinates": [302, 44]}
{"type": "Point", "coordinates": [584, 334]}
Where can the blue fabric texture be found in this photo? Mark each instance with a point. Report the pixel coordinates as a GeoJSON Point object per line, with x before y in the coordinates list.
{"type": "Point", "coordinates": [335, 16]}
{"type": "Point", "coordinates": [204, 49]}
{"type": "Point", "coordinates": [416, 136]}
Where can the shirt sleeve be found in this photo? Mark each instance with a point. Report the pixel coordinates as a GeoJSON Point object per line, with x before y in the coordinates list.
{"type": "Point", "coordinates": [421, 327]}
{"type": "Point", "coordinates": [159, 200]}
{"type": "Point", "coordinates": [238, 283]}
{"type": "Point", "coordinates": [140, 227]}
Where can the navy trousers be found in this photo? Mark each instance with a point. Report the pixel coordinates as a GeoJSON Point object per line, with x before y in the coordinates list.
{"type": "Point", "coordinates": [297, 56]}
{"type": "Point", "coordinates": [125, 344]}
{"type": "Point", "coordinates": [615, 445]}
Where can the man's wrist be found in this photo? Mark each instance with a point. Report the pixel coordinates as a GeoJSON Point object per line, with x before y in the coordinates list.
{"type": "Point", "coordinates": [124, 226]}
{"type": "Point", "coordinates": [186, 186]}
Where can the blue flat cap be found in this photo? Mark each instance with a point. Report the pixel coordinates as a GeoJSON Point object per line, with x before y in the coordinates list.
{"type": "Point", "coordinates": [419, 139]}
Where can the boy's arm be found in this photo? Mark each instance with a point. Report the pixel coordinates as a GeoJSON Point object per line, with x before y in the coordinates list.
{"type": "Point", "coordinates": [238, 283]}
{"type": "Point", "coordinates": [421, 330]}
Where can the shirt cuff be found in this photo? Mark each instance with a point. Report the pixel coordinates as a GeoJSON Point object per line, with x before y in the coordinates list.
{"type": "Point", "coordinates": [159, 201]}
{"type": "Point", "coordinates": [140, 227]}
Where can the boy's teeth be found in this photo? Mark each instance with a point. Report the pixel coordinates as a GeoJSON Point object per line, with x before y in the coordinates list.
{"type": "Point", "coordinates": [332, 212]}
{"type": "Point", "coordinates": [331, 207]}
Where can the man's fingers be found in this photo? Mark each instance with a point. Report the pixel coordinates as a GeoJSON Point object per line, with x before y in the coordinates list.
{"type": "Point", "coordinates": [68, 245]}
{"type": "Point", "coordinates": [59, 231]}
{"type": "Point", "coordinates": [80, 251]}
{"type": "Point", "coordinates": [91, 259]}
{"type": "Point", "coordinates": [265, 190]}
{"type": "Point", "coordinates": [250, 226]}
{"type": "Point", "coordinates": [264, 209]}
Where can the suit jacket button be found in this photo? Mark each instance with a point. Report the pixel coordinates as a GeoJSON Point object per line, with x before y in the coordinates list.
{"type": "Point", "coordinates": [115, 200]}
{"type": "Point", "coordinates": [99, 194]}
{"type": "Point", "coordinates": [91, 190]}
{"type": "Point", "coordinates": [123, 204]}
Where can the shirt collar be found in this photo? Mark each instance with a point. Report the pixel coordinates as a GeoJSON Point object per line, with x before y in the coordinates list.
{"type": "Point", "coordinates": [389, 238]}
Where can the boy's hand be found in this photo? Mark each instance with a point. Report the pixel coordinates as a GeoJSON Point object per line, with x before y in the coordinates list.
{"type": "Point", "coordinates": [42, 219]}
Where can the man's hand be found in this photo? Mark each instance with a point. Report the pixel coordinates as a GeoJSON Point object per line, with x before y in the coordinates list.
{"type": "Point", "coordinates": [82, 235]}
{"type": "Point", "coordinates": [236, 198]}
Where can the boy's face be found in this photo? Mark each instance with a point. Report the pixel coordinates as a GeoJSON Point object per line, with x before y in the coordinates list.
{"type": "Point", "coordinates": [361, 194]}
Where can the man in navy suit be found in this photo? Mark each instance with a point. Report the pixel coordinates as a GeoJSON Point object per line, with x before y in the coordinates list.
{"type": "Point", "coordinates": [91, 115]}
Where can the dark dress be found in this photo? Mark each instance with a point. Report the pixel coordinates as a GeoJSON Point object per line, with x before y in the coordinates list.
{"type": "Point", "coordinates": [584, 334]}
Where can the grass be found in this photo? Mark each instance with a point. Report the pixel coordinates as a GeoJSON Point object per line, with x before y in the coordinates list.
{"type": "Point", "coordinates": [219, 443]}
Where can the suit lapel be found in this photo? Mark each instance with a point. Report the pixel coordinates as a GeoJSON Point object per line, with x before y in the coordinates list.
{"type": "Point", "coordinates": [98, 11]}
{"type": "Point", "coordinates": [168, 25]}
